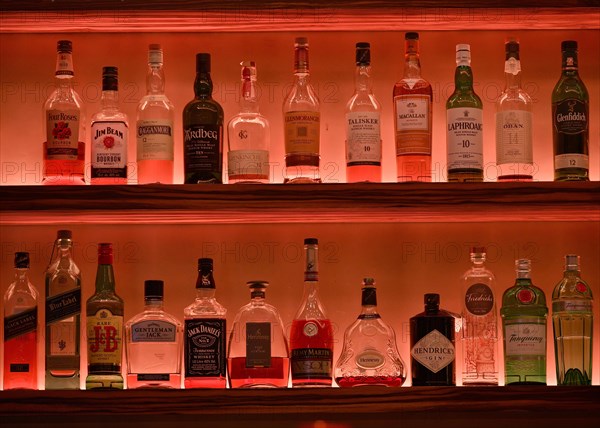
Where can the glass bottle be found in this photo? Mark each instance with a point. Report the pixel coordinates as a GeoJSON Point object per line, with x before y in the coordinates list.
{"type": "Point", "coordinates": [524, 314]}
{"type": "Point", "coordinates": [205, 334]}
{"type": "Point", "coordinates": [514, 138]}
{"type": "Point", "coordinates": [63, 315]}
{"type": "Point", "coordinates": [154, 127]}
{"type": "Point", "coordinates": [572, 320]}
{"type": "Point", "coordinates": [104, 311]}
{"type": "Point", "coordinates": [153, 343]}
{"type": "Point", "coordinates": [464, 118]}
{"type": "Point", "coordinates": [311, 336]}
{"type": "Point", "coordinates": [203, 130]}
{"type": "Point", "coordinates": [413, 98]}
{"type": "Point", "coordinates": [369, 355]}
{"type": "Point", "coordinates": [20, 329]}
{"type": "Point", "coordinates": [432, 345]}
{"type": "Point", "coordinates": [64, 119]}
{"type": "Point", "coordinates": [248, 135]}
{"type": "Point", "coordinates": [363, 120]}
{"type": "Point", "coordinates": [479, 323]}
{"type": "Point", "coordinates": [258, 355]}
{"type": "Point", "coordinates": [570, 119]}
{"type": "Point", "coordinates": [110, 134]}
{"type": "Point", "coordinates": [302, 123]}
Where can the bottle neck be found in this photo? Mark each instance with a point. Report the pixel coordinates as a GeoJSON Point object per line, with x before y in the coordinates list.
{"type": "Point", "coordinates": [22, 279]}
{"type": "Point", "coordinates": [105, 278]}
{"type": "Point", "coordinates": [205, 293]}
{"type": "Point", "coordinates": [109, 100]}
{"type": "Point", "coordinates": [153, 304]}
{"type": "Point", "coordinates": [369, 303]}
{"type": "Point", "coordinates": [363, 81]}
{"type": "Point", "coordinates": [431, 309]}
{"type": "Point", "coordinates": [570, 64]}
{"type": "Point", "coordinates": [155, 80]}
{"type": "Point", "coordinates": [203, 86]}
{"type": "Point", "coordinates": [249, 101]}
{"type": "Point", "coordinates": [463, 78]}
{"type": "Point", "coordinates": [512, 73]}
{"type": "Point", "coordinates": [412, 64]}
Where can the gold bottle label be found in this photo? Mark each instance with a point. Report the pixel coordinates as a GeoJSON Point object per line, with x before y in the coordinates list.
{"type": "Point", "coordinates": [105, 338]}
{"type": "Point", "coordinates": [302, 132]}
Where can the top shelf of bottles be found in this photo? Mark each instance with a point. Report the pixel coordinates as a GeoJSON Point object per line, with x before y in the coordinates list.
{"type": "Point", "coordinates": [60, 16]}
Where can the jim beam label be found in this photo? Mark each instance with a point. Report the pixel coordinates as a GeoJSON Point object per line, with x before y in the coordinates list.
{"type": "Point", "coordinates": [302, 132]}
{"type": "Point", "coordinates": [525, 338]}
{"type": "Point", "coordinates": [434, 351]}
{"type": "Point", "coordinates": [154, 140]}
{"type": "Point", "coordinates": [62, 134]}
{"type": "Point", "coordinates": [258, 344]}
{"type": "Point", "coordinates": [479, 299]}
{"type": "Point", "coordinates": [109, 149]}
{"type": "Point", "coordinates": [413, 129]}
{"type": "Point", "coordinates": [105, 338]}
{"type": "Point", "coordinates": [19, 324]}
{"type": "Point", "coordinates": [464, 137]}
{"type": "Point", "coordinates": [363, 143]}
{"type": "Point", "coordinates": [153, 331]}
{"type": "Point", "coordinates": [205, 347]}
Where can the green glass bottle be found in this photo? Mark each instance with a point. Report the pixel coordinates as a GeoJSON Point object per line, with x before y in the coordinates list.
{"type": "Point", "coordinates": [570, 119]}
{"type": "Point", "coordinates": [524, 316]}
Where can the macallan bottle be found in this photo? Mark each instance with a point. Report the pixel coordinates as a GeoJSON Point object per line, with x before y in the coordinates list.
{"type": "Point", "coordinates": [64, 119]}
{"type": "Point", "coordinates": [413, 99]}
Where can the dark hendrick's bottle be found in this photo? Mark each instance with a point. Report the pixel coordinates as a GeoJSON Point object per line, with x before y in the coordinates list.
{"type": "Point", "coordinates": [432, 353]}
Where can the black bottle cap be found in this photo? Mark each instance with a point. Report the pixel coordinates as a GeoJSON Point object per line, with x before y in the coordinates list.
{"type": "Point", "coordinates": [257, 284]}
{"type": "Point", "coordinates": [363, 53]}
{"type": "Point", "coordinates": [369, 292]}
{"type": "Point", "coordinates": [569, 45]}
{"type": "Point", "coordinates": [64, 234]}
{"type": "Point", "coordinates": [64, 46]}
{"type": "Point", "coordinates": [203, 63]}
{"type": "Point", "coordinates": [153, 289]}
{"type": "Point", "coordinates": [22, 260]}
{"type": "Point", "coordinates": [411, 35]}
{"type": "Point", "coordinates": [512, 49]}
{"type": "Point", "coordinates": [311, 241]}
{"type": "Point", "coordinates": [205, 264]}
{"type": "Point", "coordinates": [432, 300]}
{"type": "Point", "coordinates": [110, 78]}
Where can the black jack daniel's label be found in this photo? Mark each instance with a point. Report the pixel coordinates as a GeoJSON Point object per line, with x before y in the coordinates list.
{"type": "Point", "coordinates": [205, 347]}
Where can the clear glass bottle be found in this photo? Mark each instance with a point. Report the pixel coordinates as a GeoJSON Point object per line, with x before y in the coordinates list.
{"type": "Point", "coordinates": [104, 311]}
{"type": "Point", "coordinates": [258, 355]}
{"type": "Point", "coordinates": [248, 135]}
{"type": "Point", "coordinates": [363, 120]}
{"type": "Point", "coordinates": [302, 123]}
{"type": "Point", "coordinates": [110, 134]}
{"type": "Point", "coordinates": [573, 320]}
{"type": "Point", "coordinates": [369, 355]}
{"type": "Point", "coordinates": [514, 123]}
{"type": "Point", "coordinates": [153, 347]}
{"type": "Point", "coordinates": [205, 331]}
{"type": "Point", "coordinates": [479, 323]}
{"type": "Point", "coordinates": [413, 99]}
{"type": "Point", "coordinates": [63, 315]}
{"type": "Point", "coordinates": [524, 315]}
{"type": "Point", "coordinates": [154, 126]}
{"type": "Point", "coordinates": [311, 336]}
{"type": "Point", "coordinates": [64, 121]}
{"type": "Point", "coordinates": [464, 119]}
{"type": "Point", "coordinates": [20, 329]}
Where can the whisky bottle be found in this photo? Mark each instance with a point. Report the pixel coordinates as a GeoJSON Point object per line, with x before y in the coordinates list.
{"type": "Point", "coordinates": [104, 312]}
{"type": "Point", "coordinates": [464, 119]}
{"type": "Point", "coordinates": [413, 99]}
{"type": "Point", "coordinates": [572, 320]}
{"type": "Point", "coordinates": [570, 119]}
{"type": "Point", "coordinates": [20, 329]}
{"type": "Point", "coordinates": [203, 130]}
{"type": "Point", "coordinates": [514, 138]}
{"type": "Point", "coordinates": [64, 119]}
{"type": "Point", "coordinates": [302, 123]}
{"type": "Point", "coordinates": [63, 315]}
{"type": "Point", "coordinates": [248, 135]}
{"type": "Point", "coordinates": [524, 314]}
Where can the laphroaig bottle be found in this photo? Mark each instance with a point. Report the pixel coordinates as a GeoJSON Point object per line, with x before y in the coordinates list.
{"type": "Point", "coordinates": [110, 134]}
{"type": "Point", "coordinates": [514, 137]}
{"type": "Point", "coordinates": [413, 99]}
{"type": "Point", "coordinates": [572, 319]}
{"type": "Point", "coordinates": [203, 130]}
{"type": "Point", "coordinates": [311, 336]}
{"type": "Point", "coordinates": [154, 127]}
{"type": "Point", "coordinates": [63, 315]}
{"type": "Point", "coordinates": [570, 119]}
{"type": "Point", "coordinates": [464, 121]}
{"type": "Point", "coordinates": [20, 329]}
{"type": "Point", "coordinates": [64, 120]}
{"type": "Point", "coordinates": [524, 314]}
{"type": "Point", "coordinates": [104, 312]}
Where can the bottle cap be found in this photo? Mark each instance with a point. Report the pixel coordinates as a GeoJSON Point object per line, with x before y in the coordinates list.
{"type": "Point", "coordinates": [203, 63]}
{"type": "Point", "coordinates": [64, 234]}
{"type": "Point", "coordinates": [105, 254]}
{"type": "Point", "coordinates": [155, 54]}
{"type": "Point", "coordinates": [248, 70]}
{"type": "Point", "coordinates": [110, 78]}
{"type": "Point", "coordinates": [22, 260]}
{"type": "Point", "coordinates": [463, 54]}
{"type": "Point", "coordinates": [572, 262]}
{"type": "Point", "coordinates": [569, 45]}
{"type": "Point", "coordinates": [64, 46]}
{"type": "Point", "coordinates": [512, 49]}
{"type": "Point", "coordinates": [363, 53]}
{"type": "Point", "coordinates": [432, 300]}
{"type": "Point", "coordinates": [153, 289]}
{"type": "Point", "coordinates": [205, 264]}
{"type": "Point", "coordinates": [257, 284]}
{"type": "Point", "coordinates": [301, 42]}
{"type": "Point", "coordinates": [311, 241]}
{"type": "Point", "coordinates": [369, 292]}
{"type": "Point", "coordinates": [477, 250]}
{"type": "Point", "coordinates": [411, 35]}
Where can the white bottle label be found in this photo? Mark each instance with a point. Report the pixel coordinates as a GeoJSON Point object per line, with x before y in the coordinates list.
{"type": "Point", "coordinates": [109, 149]}
{"type": "Point", "coordinates": [571, 160]}
{"type": "Point", "coordinates": [154, 140]}
{"type": "Point", "coordinates": [412, 112]}
{"type": "Point", "coordinates": [465, 138]}
{"type": "Point", "coordinates": [513, 137]}
{"type": "Point", "coordinates": [248, 164]}
{"type": "Point", "coordinates": [433, 351]}
{"type": "Point", "coordinates": [363, 138]}
{"type": "Point", "coordinates": [525, 339]}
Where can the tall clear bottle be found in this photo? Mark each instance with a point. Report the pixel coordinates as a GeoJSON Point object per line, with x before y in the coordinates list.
{"type": "Point", "coordinates": [311, 336]}
{"type": "Point", "coordinates": [302, 123]}
{"type": "Point", "coordinates": [63, 315]}
{"type": "Point", "coordinates": [64, 120]}
{"type": "Point", "coordinates": [154, 126]}
{"type": "Point", "coordinates": [248, 135]}
{"type": "Point", "coordinates": [464, 120]}
{"type": "Point", "coordinates": [572, 320]}
{"type": "Point", "coordinates": [413, 98]}
{"type": "Point", "coordinates": [20, 329]}
{"type": "Point", "coordinates": [479, 323]}
{"type": "Point", "coordinates": [363, 121]}
{"type": "Point", "coordinates": [514, 137]}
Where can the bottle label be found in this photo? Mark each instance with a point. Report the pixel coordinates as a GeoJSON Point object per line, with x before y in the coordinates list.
{"type": "Point", "coordinates": [205, 347]}
{"type": "Point", "coordinates": [363, 143]}
{"type": "Point", "coordinates": [311, 363]}
{"type": "Point", "coordinates": [64, 64]}
{"type": "Point", "coordinates": [153, 331]}
{"type": "Point", "coordinates": [570, 116]}
{"type": "Point", "coordinates": [434, 351]}
{"type": "Point", "coordinates": [513, 137]}
{"type": "Point", "coordinates": [19, 368]}
{"type": "Point", "coordinates": [248, 164]}
{"type": "Point", "coordinates": [153, 377]}
{"type": "Point", "coordinates": [19, 324]}
{"type": "Point", "coordinates": [202, 150]}
{"type": "Point", "coordinates": [413, 131]}
{"type": "Point", "coordinates": [63, 305]}
{"type": "Point", "coordinates": [154, 140]}
{"type": "Point", "coordinates": [370, 360]}
{"type": "Point", "coordinates": [109, 149]}
{"type": "Point", "coordinates": [105, 338]}
{"type": "Point", "coordinates": [525, 338]}
{"type": "Point", "coordinates": [302, 132]}
{"type": "Point", "coordinates": [571, 160]}
{"type": "Point", "coordinates": [62, 134]}
{"type": "Point", "coordinates": [479, 299]}
{"type": "Point", "coordinates": [63, 338]}
{"type": "Point", "coordinates": [465, 138]}
{"type": "Point", "coordinates": [258, 344]}
{"type": "Point", "coordinates": [578, 306]}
